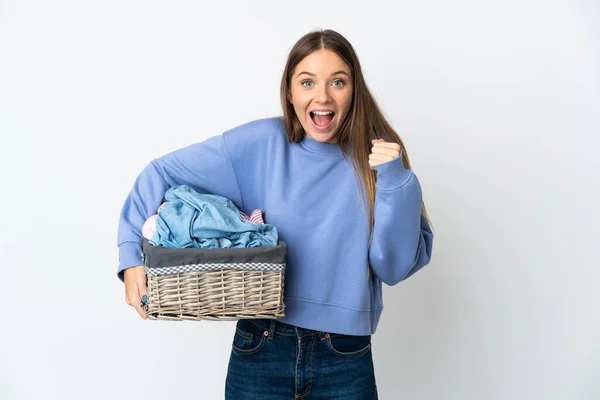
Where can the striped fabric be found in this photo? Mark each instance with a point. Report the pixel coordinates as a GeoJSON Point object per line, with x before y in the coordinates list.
{"type": "Point", "coordinates": [256, 216]}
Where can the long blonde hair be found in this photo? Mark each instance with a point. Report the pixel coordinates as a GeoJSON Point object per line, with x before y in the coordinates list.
{"type": "Point", "coordinates": [363, 123]}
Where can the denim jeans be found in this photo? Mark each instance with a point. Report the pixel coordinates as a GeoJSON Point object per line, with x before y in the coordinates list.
{"type": "Point", "coordinates": [271, 360]}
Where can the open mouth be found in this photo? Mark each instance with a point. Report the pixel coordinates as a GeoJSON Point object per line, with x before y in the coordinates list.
{"type": "Point", "coordinates": [322, 119]}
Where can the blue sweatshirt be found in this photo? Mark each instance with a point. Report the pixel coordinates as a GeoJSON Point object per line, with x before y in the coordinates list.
{"type": "Point", "coordinates": [309, 191]}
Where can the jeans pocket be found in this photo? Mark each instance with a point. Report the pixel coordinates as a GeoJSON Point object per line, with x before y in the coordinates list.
{"type": "Point", "coordinates": [248, 338]}
{"type": "Point", "coordinates": [348, 345]}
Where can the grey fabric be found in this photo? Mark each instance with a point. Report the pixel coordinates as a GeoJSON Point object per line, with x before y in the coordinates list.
{"type": "Point", "coordinates": [160, 257]}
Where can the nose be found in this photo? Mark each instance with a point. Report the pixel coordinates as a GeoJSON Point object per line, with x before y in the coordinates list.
{"type": "Point", "coordinates": [322, 95]}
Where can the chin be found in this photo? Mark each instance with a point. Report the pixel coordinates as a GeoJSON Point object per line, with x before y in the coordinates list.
{"type": "Point", "coordinates": [321, 136]}
{"type": "Point", "coordinates": [328, 139]}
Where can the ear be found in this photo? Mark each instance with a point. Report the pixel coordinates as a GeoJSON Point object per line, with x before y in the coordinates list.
{"type": "Point", "coordinates": [289, 97]}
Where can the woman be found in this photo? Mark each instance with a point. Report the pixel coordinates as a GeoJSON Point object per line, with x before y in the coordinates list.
{"type": "Point", "coordinates": [334, 178]}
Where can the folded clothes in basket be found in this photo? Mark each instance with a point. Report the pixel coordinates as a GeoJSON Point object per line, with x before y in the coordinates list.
{"type": "Point", "coordinates": [149, 228]}
{"type": "Point", "coordinates": [192, 220]}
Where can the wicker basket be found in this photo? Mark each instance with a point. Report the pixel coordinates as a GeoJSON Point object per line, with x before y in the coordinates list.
{"type": "Point", "coordinates": [222, 284]}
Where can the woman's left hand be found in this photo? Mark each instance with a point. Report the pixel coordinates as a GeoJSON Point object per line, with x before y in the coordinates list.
{"type": "Point", "coordinates": [383, 151]}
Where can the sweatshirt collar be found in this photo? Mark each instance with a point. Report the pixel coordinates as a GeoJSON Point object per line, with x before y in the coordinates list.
{"type": "Point", "coordinates": [321, 148]}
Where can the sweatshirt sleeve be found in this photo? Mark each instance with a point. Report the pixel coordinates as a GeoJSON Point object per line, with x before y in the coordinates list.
{"type": "Point", "coordinates": [203, 166]}
{"type": "Point", "coordinates": [402, 240]}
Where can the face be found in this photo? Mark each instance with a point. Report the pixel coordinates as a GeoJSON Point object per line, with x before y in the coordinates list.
{"type": "Point", "coordinates": [321, 93]}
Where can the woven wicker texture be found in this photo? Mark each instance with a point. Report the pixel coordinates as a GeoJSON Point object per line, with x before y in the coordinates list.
{"type": "Point", "coordinates": [215, 284]}
{"type": "Point", "coordinates": [225, 295]}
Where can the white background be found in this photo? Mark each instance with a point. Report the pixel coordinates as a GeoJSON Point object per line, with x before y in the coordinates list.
{"type": "Point", "coordinates": [496, 101]}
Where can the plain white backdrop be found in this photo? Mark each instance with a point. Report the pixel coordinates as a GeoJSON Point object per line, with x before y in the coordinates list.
{"type": "Point", "coordinates": [498, 104]}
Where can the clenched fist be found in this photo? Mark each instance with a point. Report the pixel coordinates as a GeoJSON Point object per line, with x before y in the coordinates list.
{"type": "Point", "coordinates": [383, 151]}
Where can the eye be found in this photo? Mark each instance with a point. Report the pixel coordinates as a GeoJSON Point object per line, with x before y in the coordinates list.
{"type": "Point", "coordinates": [306, 81]}
{"type": "Point", "coordinates": [341, 82]}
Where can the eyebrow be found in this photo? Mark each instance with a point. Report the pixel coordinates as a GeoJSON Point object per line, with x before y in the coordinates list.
{"type": "Point", "coordinates": [335, 73]}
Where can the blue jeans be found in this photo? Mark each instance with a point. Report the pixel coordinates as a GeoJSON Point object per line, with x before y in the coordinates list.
{"type": "Point", "coordinates": [271, 360]}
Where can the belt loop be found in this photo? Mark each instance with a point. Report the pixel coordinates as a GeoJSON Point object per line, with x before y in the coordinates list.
{"type": "Point", "coordinates": [272, 329]}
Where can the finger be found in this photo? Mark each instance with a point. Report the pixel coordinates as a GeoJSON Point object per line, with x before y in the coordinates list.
{"type": "Point", "coordinates": [141, 284]}
{"type": "Point", "coordinates": [134, 301]}
{"type": "Point", "coordinates": [387, 145]}
{"type": "Point", "coordinates": [381, 142]}
{"type": "Point", "coordinates": [141, 311]}
{"type": "Point", "coordinates": [379, 158]}
{"type": "Point", "coordinates": [143, 295]}
{"type": "Point", "coordinates": [386, 151]}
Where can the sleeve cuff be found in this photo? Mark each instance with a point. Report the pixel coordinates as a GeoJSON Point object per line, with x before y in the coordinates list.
{"type": "Point", "coordinates": [392, 175]}
{"type": "Point", "coordinates": [130, 255]}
